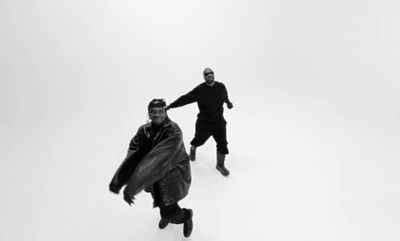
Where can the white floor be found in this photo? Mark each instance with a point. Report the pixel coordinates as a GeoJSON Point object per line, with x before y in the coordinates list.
{"type": "Point", "coordinates": [296, 176]}
{"type": "Point", "coordinates": [314, 134]}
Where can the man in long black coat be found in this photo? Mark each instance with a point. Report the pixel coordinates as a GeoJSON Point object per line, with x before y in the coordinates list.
{"type": "Point", "coordinates": [157, 162]}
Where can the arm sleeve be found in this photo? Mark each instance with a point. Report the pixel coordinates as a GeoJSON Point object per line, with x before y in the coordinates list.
{"type": "Point", "coordinates": [130, 162]}
{"type": "Point", "coordinates": [156, 163]}
{"type": "Point", "coordinates": [185, 99]}
{"type": "Point", "coordinates": [226, 99]}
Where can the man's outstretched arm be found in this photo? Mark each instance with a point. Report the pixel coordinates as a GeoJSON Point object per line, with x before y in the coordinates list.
{"type": "Point", "coordinates": [184, 100]}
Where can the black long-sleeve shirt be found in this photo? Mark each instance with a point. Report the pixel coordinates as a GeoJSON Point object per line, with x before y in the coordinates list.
{"type": "Point", "coordinates": [210, 100]}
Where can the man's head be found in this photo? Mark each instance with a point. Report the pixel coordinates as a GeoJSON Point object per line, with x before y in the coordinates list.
{"type": "Point", "coordinates": [157, 113]}
{"type": "Point", "coordinates": [208, 76]}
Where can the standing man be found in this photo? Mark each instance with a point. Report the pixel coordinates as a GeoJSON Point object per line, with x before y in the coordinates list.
{"type": "Point", "coordinates": [210, 97]}
{"type": "Point", "coordinates": [157, 162]}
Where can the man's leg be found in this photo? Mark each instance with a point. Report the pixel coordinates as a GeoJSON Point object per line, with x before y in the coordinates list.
{"type": "Point", "coordinates": [163, 223]}
{"type": "Point", "coordinates": [192, 155]}
{"type": "Point", "coordinates": [201, 135]}
{"type": "Point", "coordinates": [221, 164]}
{"type": "Point", "coordinates": [177, 215]}
{"type": "Point", "coordinates": [219, 136]}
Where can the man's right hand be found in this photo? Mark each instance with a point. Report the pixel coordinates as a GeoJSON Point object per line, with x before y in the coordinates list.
{"type": "Point", "coordinates": [167, 108]}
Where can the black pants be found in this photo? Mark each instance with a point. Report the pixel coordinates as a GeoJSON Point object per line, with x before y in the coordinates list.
{"type": "Point", "coordinates": [217, 130]}
{"type": "Point", "coordinates": [173, 213]}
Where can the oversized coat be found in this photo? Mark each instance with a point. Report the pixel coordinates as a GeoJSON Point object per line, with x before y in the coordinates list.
{"type": "Point", "coordinates": [156, 162]}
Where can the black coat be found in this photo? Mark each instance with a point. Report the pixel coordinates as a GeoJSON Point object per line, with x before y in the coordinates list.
{"type": "Point", "coordinates": [156, 162]}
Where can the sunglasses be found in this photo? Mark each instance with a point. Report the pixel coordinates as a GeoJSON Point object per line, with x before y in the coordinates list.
{"type": "Point", "coordinates": [207, 74]}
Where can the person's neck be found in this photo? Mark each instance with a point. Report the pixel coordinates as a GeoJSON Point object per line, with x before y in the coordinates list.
{"type": "Point", "coordinates": [157, 126]}
{"type": "Point", "coordinates": [211, 84]}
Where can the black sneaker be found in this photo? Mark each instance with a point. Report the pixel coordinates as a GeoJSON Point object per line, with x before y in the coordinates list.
{"type": "Point", "coordinates": [188, 224]}
{"type": "Point", "coordinates": [162, 224]}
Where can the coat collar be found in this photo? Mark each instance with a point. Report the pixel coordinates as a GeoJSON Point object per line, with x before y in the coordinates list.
{"type": "Point", "coordinates": [167, 122]}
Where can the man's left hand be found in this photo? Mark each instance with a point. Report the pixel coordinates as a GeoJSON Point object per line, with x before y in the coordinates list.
{"type": "Point", "coordinates": [229, 105]}
{"type": "Point", "coordinates": [128, 199]}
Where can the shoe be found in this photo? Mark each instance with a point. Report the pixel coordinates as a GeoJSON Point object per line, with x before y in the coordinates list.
{"type": "Point", "coordinates": [223, 171]}
{"type": "Point", "coordinates": [163, 223]}
{"type": "Point", "coordinates": [192, 155]}
{"type": "Point", "coordinates": [188, 223]}
{"type": "Point", "coordinates": [221, 164]}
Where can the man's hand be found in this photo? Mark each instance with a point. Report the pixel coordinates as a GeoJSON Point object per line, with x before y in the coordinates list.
{"type": "Point", "coordinates": [167, 108]}
{"type": "Point", "coordinates": [128, 199]}
{"type": "Point", "coordinates": [229, 105]}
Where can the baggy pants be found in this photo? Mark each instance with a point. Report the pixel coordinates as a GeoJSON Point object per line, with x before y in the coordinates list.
{"type": "Point", "coordinates": [217, 130]}
{"type": "Point", "coordinates": [173, 213]}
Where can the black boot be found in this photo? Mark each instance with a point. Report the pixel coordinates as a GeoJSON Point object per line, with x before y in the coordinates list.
{"type": "Point", "coordinates": [192, 155]}
{"type": "Point", "coordinates": [163, 223]}
{"type": "Point", "coordinates": [188, 223]}
{"type": "Point", "coordinates": [221, 164]}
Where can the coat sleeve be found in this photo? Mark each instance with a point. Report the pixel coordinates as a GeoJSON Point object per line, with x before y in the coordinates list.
{"type": "Point", "coordinates": [129, 164]}
{"type": "Point", "coordinates": [156, 163]}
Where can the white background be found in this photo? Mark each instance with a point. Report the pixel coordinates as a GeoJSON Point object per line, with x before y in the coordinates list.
{"type": "Point", "coordinates": [314, 133]}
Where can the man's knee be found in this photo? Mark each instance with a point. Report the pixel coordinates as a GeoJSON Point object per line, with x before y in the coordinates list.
{"type": "Point", "coordinates": [198, 141]}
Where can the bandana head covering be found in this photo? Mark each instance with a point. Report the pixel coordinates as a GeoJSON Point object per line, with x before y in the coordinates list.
{"type": "Point", "coordinates": [156, 103]}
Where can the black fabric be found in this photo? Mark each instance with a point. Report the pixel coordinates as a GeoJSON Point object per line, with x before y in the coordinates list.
{"type": "Point", "coordinates": [157, 162]}
{"type": "Point", "coordinates": [210, 100]}
{"type": "Point", "coordinates": [128, 166]}
{"type": "Point", "coordinates": [173, 213]}
{"type": "Point", "coordinates": [188, 223]}
{"type": "Point", "coordinates": [217, 130]}
{"type": "Point", "coordinates": [221, 164]}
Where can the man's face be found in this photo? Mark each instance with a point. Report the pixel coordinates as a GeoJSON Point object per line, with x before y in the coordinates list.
{"type": "Point", "coordinates": [157, 115]}
{"type": "Point", "coordinates": [208, 75]}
